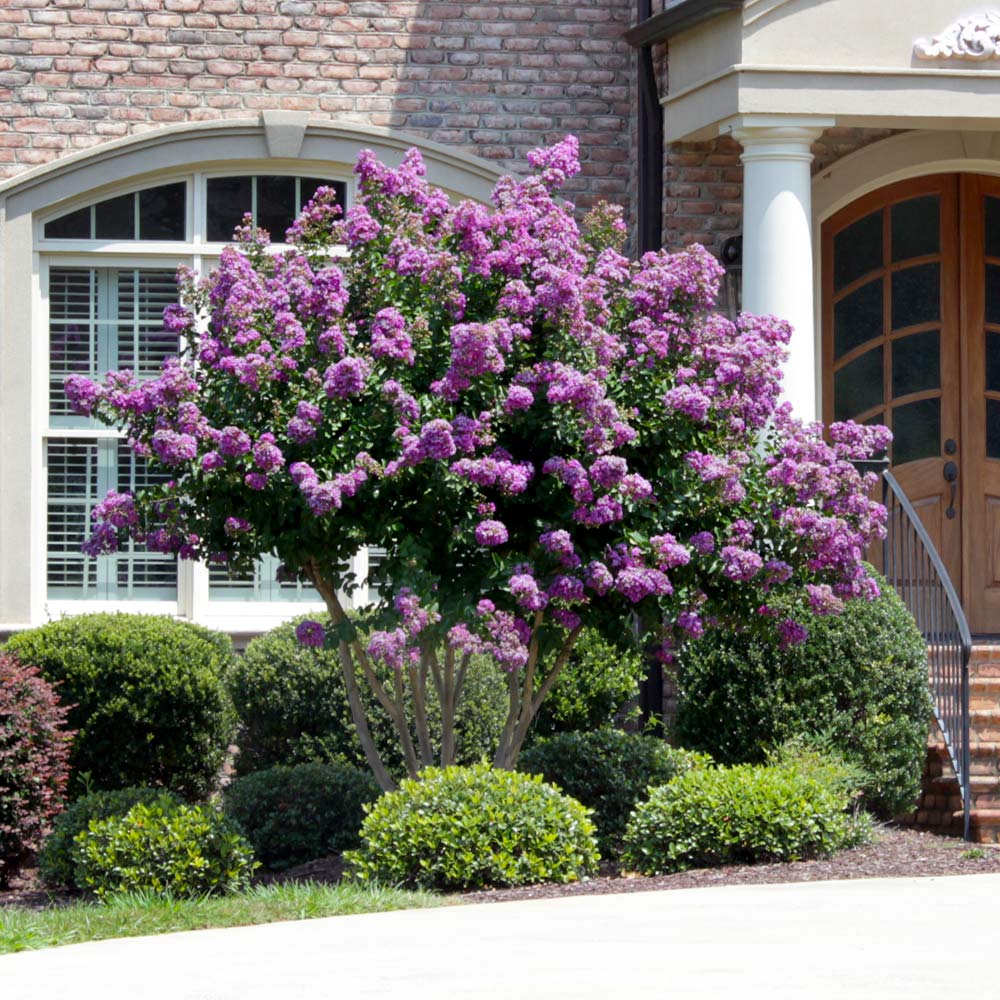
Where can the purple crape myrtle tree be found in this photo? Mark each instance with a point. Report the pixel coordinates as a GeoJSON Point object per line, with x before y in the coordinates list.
{"type": "Point", "coordinates": [538, 432]}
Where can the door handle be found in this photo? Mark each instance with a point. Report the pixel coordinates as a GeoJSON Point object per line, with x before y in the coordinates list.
{"type": "Point", "coordinates": [951, 476]}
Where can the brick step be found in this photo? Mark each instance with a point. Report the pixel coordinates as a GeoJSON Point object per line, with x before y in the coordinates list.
{"type": "Point", "coordinates": [979, 785]}
{"type": "Point", "coordinates": [984, 653]}
{"type": "Point", "coordinates": [983, 701]}
{"type": "Point", "coordinates": [984, 825]}
{"type": "Point", "coordinates": [987, 718]}
{"type": "Point", "coordinates": [984, 685]}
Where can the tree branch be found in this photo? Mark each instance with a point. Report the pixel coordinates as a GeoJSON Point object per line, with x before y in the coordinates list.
{"type": "Point", "coordinates": [418, 677]}
{"type": "Point", "coordinates": [347, 668]}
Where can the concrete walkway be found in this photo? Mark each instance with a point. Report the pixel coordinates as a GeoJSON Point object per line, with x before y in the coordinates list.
{"type": "Point", "coordinates": [905, 938]}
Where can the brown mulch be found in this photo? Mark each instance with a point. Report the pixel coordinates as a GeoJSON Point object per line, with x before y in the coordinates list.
{"type": "Point", "coordinates": [898, 853]}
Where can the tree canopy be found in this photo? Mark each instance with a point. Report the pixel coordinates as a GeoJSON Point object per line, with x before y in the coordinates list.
{"type": "Point", "coordinates": [537, 431]}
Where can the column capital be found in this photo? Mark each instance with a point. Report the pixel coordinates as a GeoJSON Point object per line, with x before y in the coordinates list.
{"type": "Point", "coordinates": [775, 137]}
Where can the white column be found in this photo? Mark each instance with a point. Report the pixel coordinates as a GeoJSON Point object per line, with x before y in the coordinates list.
{"type": "Point", "coordinates": [777, 240]}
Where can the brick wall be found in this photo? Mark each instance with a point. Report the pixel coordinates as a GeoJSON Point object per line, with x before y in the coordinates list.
{"type": "Point", "coordinates": [493, 78]}
{"type": "Point", "coordinates": [703, 184]}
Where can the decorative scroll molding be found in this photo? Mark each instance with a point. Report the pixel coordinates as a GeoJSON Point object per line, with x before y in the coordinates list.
{"type": "Point", "coordinates": [975, 38]}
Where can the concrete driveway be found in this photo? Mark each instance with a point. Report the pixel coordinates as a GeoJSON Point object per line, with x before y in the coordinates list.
{"type": "Point", "coordinates": [905, 938]}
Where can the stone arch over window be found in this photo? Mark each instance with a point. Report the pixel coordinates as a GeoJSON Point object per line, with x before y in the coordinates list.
{"type": "Point", "coordinates": [88, 246]}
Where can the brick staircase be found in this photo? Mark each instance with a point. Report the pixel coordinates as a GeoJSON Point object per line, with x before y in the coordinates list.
{"type": "Point", "coordinates": [940, 806]}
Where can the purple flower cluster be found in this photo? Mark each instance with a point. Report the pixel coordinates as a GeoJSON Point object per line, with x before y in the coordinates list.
{"type": "Point", "coordinates": [311, 633]}
{"type": "Point", "coordinates": [400, 647]}
{"type": "Point", "coordinates": [513, 397]}
{"type": "Point", "coordinates": [346, 378]}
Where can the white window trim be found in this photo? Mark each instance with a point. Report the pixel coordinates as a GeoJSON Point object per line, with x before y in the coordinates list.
{"type": "Point", "coordinates": [194, 600]}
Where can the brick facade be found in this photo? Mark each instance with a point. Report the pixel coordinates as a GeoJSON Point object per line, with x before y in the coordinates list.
{"type": "Point", "coordinates": [493, 78]}
{"type": "Point", "coordinates": [703, 184]}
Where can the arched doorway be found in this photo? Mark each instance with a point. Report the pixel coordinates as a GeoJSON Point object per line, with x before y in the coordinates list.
{"type": "Point", "coordinates": [911, 338]}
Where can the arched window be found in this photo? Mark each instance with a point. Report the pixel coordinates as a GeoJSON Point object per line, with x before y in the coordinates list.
{"type": "Point", "coordinates": [108, 274]}
{"type": "Point", "coordinates": [89, 247]}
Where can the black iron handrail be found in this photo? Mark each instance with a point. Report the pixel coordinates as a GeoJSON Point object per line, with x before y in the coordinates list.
{"type": "Point", "coordinates": [911, 564]}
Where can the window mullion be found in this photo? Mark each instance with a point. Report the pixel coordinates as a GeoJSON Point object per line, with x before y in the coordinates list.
{"type": "Point", "coordinates": [107, 568]}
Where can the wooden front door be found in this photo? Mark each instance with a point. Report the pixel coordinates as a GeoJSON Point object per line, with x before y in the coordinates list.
{"type": "Point", "coordinates": [911, 338]}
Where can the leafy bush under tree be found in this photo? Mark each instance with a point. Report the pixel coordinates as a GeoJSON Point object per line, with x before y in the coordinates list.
{"type": "Point", "coordinates": [292, 815]}
{"type": "Point", "coordinates": [165, 848]}
{"type": "Point", "coordinates": [34, 752]}
{"type": "Point", "coordinates": [55, 860]}
{"type": "Point", "coordinates": [742, 815]}
{"type": "Point", "coordinates": [598, 681]}
{"type": "Point", "coordinates": [609, 771]}
{"type": "Point", "coordinates": [859, 683]}
{"type": "Point", "coordinates": [293, 707]}
{"type": "Point", "coordinates": [146, 694]}
{"type": "Point", "coordinates": [474, 827]}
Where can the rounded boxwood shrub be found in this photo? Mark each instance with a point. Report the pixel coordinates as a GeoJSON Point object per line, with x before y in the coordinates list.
{"type": "Point", "coordinates": [741, 815]}
{"type": "Point", "coordinates": [600, 678]}
{"type": "Point", "coordinates": [147, 695]}
{"type": "Point", "coordinates": [859, 682]}
{"type": "Point", "coordinates": [164, 847]}
{"type": "Point", "coordinates": [34, 769]}
{"type": "Point", "coordinates": [609, 771]}
{"type": "Point", "coordinates": [55, 860]}
{"type": "Point", "coordinates": [292, 707]}
{"type": "Point", "coordinates": [472, 827]}
{"type": "Point", "coordinates": [292, 815]}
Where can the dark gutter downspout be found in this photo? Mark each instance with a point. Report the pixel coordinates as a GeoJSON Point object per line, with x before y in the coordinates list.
{"type": "Point", "coordinates": [650, 210]}
{"type": "Point", "coordinates": [677, 15]}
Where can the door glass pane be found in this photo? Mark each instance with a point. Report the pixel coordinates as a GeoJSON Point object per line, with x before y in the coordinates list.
{"type": "Point", "coordinates": [992, 294]}
{"type": "Point", "coordinates": [916, 363]}
{"type": "Point", "coordinates": [858, 386]}
{"type": "Point", "coordinates": [857, 250]}
{"type": "Point", "coordinates": [916, 227]}
{"type": "Point", "coordinates": [916, 430]}
{"type": "Point", "coordinates": [229, 199]}
{"type": "Point", "coordinates": [857, 318]}
{"type": "Point", "coordinates": [992, 361]}
{"type": "Point", "coordinates": [992, 212]}
{"type": "Point", "coordinates": [992, 428]}
{"type": "Point", "coordinates": [916, 296]}
{"type": "Point", "coordinates": [116, 218]}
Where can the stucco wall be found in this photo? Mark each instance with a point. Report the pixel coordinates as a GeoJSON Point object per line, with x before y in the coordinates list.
{"type": "Point", "coordinates": [493, 78]}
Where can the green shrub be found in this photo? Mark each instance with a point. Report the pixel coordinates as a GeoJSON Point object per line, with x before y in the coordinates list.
{"type": "Point", "coordinates": [292, 707]}
{"type": "Point", "coordinates": [149, 704]}
{"type": "Point", "coordinates": [34, 752]}
{"type": "Point", "coordinates": [599, 679]}
{"type": "Point", "coordinates": [472, 827]}
{"type": "Point", "coordinates": [292, 815]}
{"type": "Point", "coordinates": [741, 815]}
{"type": "Point", "coordinates": [55, 861]}
{"type": "Point", "coordinates": [859, 682]}
{"type": "Point", "coordinates": [608, 771]}
{"type": "Point", "coordinates": [163, 847]}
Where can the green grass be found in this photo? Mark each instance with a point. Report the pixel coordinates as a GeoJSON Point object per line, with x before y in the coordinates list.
{"type": "Point", "coordinates": [137, 914]}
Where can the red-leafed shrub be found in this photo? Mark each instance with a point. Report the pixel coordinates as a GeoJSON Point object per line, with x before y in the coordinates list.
{"type": "Point", "coordinates": [34, 762]}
